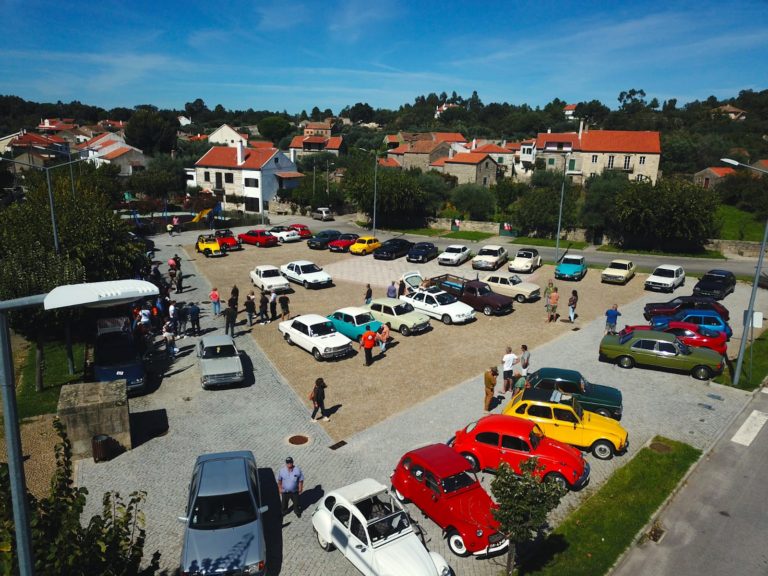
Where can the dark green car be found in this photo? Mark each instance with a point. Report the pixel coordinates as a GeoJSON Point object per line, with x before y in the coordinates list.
{"type": "Point", "coordinates": [660, 350]}
{"type": "Point", "coordinates": [605, 400]}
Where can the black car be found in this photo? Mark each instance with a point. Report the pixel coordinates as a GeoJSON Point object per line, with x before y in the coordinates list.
{"type": "Point", "coordinates": [716, 284]}
{"type": "Point", "coordinates": [320, 240]}
{"type": "Point", "coordinates": [683, 303]}
{"type": "Point", "coordinates": [422, 252]}
{"type": "Point", "coordinates": [391, 249]}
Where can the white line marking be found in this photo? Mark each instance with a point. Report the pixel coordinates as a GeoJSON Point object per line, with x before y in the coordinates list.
{"type": "Point", "coordinates": [751, 428]}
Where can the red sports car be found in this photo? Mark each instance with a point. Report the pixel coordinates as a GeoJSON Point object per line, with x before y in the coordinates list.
{"type": "Point", "coordinates": [227, 240]}
{"type": "Point", "coordinates": [258, 238]}
{"type": "Point", "coordinates": [689, 334]}
{"type": "Point", "coordinates": [302, 229]}
{"type": "Point", "coordinates": [442, 485]}
{"type": "Point", "coordinates": [342, 243]}
{"type": "Point", "coordinates": [497, 438]}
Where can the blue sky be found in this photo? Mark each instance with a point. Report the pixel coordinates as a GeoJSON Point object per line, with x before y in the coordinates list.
{"type": "Point", "coordinates": [295, 54]}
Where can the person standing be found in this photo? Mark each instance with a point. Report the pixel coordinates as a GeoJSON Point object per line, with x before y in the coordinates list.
{"type": "Point", "coordinates": [554, 299]}
{"type": "Point", "coordinates": [176, 262]}
{"type": "Point", "coordinates": [215, 301]}
{"type": "Point", "coordinates": [194, 318]}
{"type": "Point", "coordinates": [383, 337]}
{"type": "Point", "coordinates": [234, 297]}
{"type": "Point", "coordinates": [367, 342]}
{"type": "Point", "coordinates": [490, 385]}
{"type": "Point", "coordinates": [272, 305]}
{"type": "Point", "coordinates": [508, 362]}
{"type": "Point", "coordinates": [318, 400]}
{"type": "Point", "coordinates": [368, 294]}
{"type": "Point", "coordinates": [392, 290]}
{"type": "Point", "coordinates": [285, 303]}
{"type": "Point", "coordinates": [182, 312]}
{"type": "Point", "coordinates": [250, 307]}
{"type": "Point", "coordinates": [230, 318]}
{"type": "Point", "coordinates": [401, 288]}
{"type": "Point", "coordinates": [290, 485]}
{"type": "Point", "coordinates": [547, 293]}
{"type": "Point", "coordinates": [611, 319]}
{"type": "Point", "coordinates": [170, 339]}
{"type": "Point", "coordinates": [172, 276]}
{"type": "Point", "coordinates": [572, 302]}
{"type": "Point", "coordinates": [525, 359]}
{"type": "Point", "coordinates": [179, 281]}
{"type": "Point", "coordinates": [263, 304]}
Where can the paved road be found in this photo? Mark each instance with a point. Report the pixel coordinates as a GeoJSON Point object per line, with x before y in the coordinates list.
{"type": "Point", "coordinates": [718, 522]}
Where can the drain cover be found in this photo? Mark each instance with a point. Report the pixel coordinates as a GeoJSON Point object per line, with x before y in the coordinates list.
{"type": "Point", "coordinates": [298, 439]}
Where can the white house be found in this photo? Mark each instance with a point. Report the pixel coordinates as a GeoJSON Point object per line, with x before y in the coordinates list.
{"type": "Point", "coordinates": [227, 136]}
{"type": "Point", "coordinates": [110, 148]}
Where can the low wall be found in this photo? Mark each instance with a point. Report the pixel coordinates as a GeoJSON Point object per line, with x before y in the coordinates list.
{"type": "Point", "coordinates": [735, 247]}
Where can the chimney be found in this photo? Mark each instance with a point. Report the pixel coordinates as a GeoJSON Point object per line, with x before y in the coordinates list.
{"type": "Point", "coordinates": [240, 153]}
{"type": "Point", "coordinates": [581, 128]}
{"type": "Point", "coordinates": [451, 152]}
{"type": "Point", "coordinates": [549, 130]}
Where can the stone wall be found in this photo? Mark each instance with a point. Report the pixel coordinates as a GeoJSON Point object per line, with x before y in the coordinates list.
{"type": "Point", "coordinates": [735, 247]}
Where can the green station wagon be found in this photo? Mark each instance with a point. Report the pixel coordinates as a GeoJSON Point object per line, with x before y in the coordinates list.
{"type": "Point", "coordinates": [605, 400]}
{"type": "Point", "coordinates": [660, 350]}
{"type": "Point", "coordinates": [399, 315]}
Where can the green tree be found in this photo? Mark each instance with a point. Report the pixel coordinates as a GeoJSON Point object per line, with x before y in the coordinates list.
{"type": "Point", "coordinates": [524, 501]}
{"type": "Point", "coordinates": [475, 200]}
{"type": "Point", "coordinates": [151, 131]}
{"type": "Point", "coordinates": [507, 192]}
{"type": "Point", "coordinates": [274, 128]}
{"type": "Point", "coordinates": [599, 201]}
{"type": "Point", "coordinates": [743, 190]}
{"type": "Point", "coordinates": [538, 209]}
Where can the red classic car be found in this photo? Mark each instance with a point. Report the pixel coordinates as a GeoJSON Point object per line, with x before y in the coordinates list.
{"type": "Point", "coordinates": [497, 438]}
{"type": "Point", "coordinates": [342, 243]}
{"type": "Point", "coordinates": [442, 485]}
{"type": "Point", "coordinates": [227, 240]}
{"type": "Point", "coordinates": [302, 229]}
{"type": "Point", "coordinates": [689, 334]}
{"type": "Point", "coordinates": [258, 238]}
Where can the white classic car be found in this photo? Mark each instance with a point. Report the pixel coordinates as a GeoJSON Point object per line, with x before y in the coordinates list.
{"type": "Point", "coordinates": [666, 278]}
{"type": "Point", "coordinates": [454, 255]}
{"type": "Point", "coordinates": [284, 234]}
{"type": "Point", "coordinates": [306, 273]}
{"type": "Point", "coordinates": [439, 304]}
{"type": "Point", "coordinates": [266, 278]}
{"type": "Point", "coordinates": [526, 260]}
{"type": "Point", "coordinates": [317, 335]}
{"type": "Point", "coordinates": [373, 531]}
{"type": "Point", "coordinates": [511, 285]}
{"type": "Point", "coordinates": [490, 257]}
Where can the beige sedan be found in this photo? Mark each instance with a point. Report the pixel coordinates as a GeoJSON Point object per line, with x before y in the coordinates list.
{"type": "Point", "coordinates": [511, 285]}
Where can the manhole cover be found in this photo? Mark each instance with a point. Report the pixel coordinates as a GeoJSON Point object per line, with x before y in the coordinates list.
{"type": "Point", "coordinates": [660, 447]}
{"type": "Point", "coordinates": [656, 533]}
{"type": "Point", "coordinates": [298, 439]}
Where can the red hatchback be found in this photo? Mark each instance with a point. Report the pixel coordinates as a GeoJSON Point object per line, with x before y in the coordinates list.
{"type": "Point", "coordinates": [258, 238]}
{"type": "Point", "coordinates": [496, 438]}
{"type": "Point", "coordinates": [342, 243]}
{"type": "Point", "coordinates": [302, 230]}
{"type": "Point", "coordinates": [689, 334]}
{"type": "Point", "coordinates": [442, 485]}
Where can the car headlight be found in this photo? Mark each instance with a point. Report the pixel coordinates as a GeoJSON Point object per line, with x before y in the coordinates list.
{"type": "Point", "coordinates": [326, 350]}
{"type": "Point", "coordinates": [239, 374]}
{"type": "Point", "coordinates": [479, 533]}
{"type": "Point", "coordinates": [206, 379]}
{"type": "Point", "coordinates": [446, 571]}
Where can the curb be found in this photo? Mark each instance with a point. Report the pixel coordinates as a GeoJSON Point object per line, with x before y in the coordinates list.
{"type": "Point", "coordinates": [683, 481]}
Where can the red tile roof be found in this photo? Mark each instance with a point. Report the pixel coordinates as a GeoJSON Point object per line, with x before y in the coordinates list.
{"type": "Point", "coordinates": [721, 170]}
{"type": "Point", "coordinates": [117, 152]}
{"type": "Point", "coordinates": [391, 138]}
{"type": "Point", "coordinates": [402, 149]}
{"type": "Point", "coordinates": [318, 126]}
{"type": "Point", "coordinates": [424, 146]}
{"type": "Point", "coordinates": [492, 149]}
{"type": "Point", "coordinates": [569, 107]}
{"type": "Point", "coordinates": [31, 139]}
{"type": "Point", "coordinates": [297, 142]}
{"type": "Point", "coordinates": [313, 139]}
{"type": "Point", "coordinates": [545, 138]}
{"type": "Point", "coordinates": [334, 143]}
{"type": "Point", "coordinates": [621, 141]}
{"type": "Point", "coordinates": [389, 163]}
{"type": "Point", "coordinates": [448, 137]}
{"type": "Point", "coordinates": [198, 138]}
{"type": "Point", "coordinates": [467, 158]}
{"type": "Point", "coordinates": [439, 162]}
{"type": "Point", "coordinates": [512, 146]}
{"type": "Point", "coordinates": [260, 144]}
{"type": "Point", "coordinates": [226, 157]}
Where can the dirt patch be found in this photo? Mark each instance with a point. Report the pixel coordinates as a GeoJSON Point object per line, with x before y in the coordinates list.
{"type": "Point", "coordinates": [660, 447]}
{"type": "Point", "coordinates": [38, 439]}
{"type": "Point", "coordinates": [414, 368]}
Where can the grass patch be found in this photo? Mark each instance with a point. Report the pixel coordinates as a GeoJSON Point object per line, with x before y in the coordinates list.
{"type": "Point", "coordinates": [55, 375]}
{"type": "Point", "coordinates": [528, 241]}
{"type": "Point", "coordinates": [421, 231]}
{"type": "Point", "coordinates": [739, 225]}
{"type": "Point", "coordinates": [758, 353]}
{"type": "Point", "coordinates": [591, 539]}
{"type": "Point", "coordinates": [469, 235]}
{"type": "Point", "coordinates": [703, 254]}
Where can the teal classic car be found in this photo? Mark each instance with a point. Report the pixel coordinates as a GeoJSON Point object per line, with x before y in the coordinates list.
{"type": "Point", "coordinates": [571, 267]}
{"type": "Point", "coordinates": [660, 350]}
{"type": "Point", "coordinates": [353, 322]}
{"type": "Point", "coordinates": [604, 400]}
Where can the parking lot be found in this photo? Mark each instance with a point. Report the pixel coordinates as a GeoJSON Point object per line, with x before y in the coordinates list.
{"type": "Point", "coordinates": [425, 388]}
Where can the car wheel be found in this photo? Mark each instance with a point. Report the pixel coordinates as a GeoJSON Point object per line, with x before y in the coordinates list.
{"type": "Point", "coordinates": [280, 240]}
{"type": "Point", "coordinates": [324, 544]}
{"type": "Point", "coordinates": [603, 412]}
{"type": "Point", "coordinates": [626, 362]}
{"type": "Point", "coordinates": [456, 544]}
{"type": "Point", "coordinates": [207, 253]}
{"type": "Point", "coordinates": [399, 496]}
{"type": "Point", "coordinates": [404, 330]}
{"type": "Point", "coordinates": [557, 478]}
{"type": "Point", "coordinates": [472, 459]}
{"type": "Point", "coordinates": [287, 338]}
{"type": "Point", "coordinates": [446, 320]}
{"type": "Point", "coordinates": [520, 298]}
{"type": "Point", "coordinates": [701, 373]}
{"type": "Point", "coordinates": [487, 310]}
{"type": "Point", "coordinates": [305, 284]}
{"type": "Point", "coordinates": [317, 355]}
{"type": "Point", "coordinates": [603, 450]}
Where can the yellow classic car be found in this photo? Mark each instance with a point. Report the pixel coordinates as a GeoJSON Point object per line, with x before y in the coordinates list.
{"type": "Point", "coordinates": [364, 245]}
{"type": "Point", "coordinates": [208, 245]}
{"type": "Point", "coordinates": [562, 418]}
{"type": "Point", "coordinates": [618, 272]}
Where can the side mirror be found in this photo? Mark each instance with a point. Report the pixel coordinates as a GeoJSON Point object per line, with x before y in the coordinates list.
{"type": "Point", "coordinates": [263, 509]}
{"type": "Point", "coordinates": [182, 519]}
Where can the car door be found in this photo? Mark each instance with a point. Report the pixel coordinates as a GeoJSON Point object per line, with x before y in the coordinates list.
{"type": "Point", "coordinates": [360, 550]}
{"type": "Point", "coordinates": [431, 504]}
{"type": "Point", "coordinates": [542, 415]}
{"type": "Point", "coordinates": [418, 302]}
{"type": "Point", "coordinates": [388, 314]}
{"type": "Point", "coordinates": [514, 451]}
{"type": "Point", "coordinates": [643, 351]}
{"type": "Point", "coordinates": [487, 449]}
{"type": "Point", "coordinates": [300, 335]}
{"type": "Point", "coordinates": [290, 271]}
{"type": "Point", "coordinates": [666, 355]}
{"type": "Point", "coordinates": [568, 425]}
{"type": "Point", "coordinates": [340, 520]}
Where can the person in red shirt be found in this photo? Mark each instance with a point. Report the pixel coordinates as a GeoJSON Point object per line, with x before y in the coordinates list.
{"type": "Point", "coordinates": [367, 342]}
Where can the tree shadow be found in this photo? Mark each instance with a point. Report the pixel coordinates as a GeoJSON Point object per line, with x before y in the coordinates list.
{"type": "Point", "coordinates": [536, 555]}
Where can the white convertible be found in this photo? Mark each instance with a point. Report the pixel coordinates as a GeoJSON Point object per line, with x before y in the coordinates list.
{"type": "Point", "coordinates": [268, 278]}
{"type": "Point", "coordinates": [284, 234]}
{"type": "Point", "coordinates": [526, 260]}
{"type": "Point", "coordinates": [306, 273]}
{"type": "Point", "coordinates": [371, 529]}
{"type": "Point", "coordinates": [317, 335]}
{"type": "Point", "coordinates": [439, 304]}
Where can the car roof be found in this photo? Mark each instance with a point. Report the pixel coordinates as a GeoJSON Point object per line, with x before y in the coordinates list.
{"type": "Point", "coordinates": [266, 267]}
{"type": "Point", "coordinates": [224, 473]}
{"type": "Point", "coordinates": [654, 335]}
{"type": "Point", "coordinates": [572, 256]}
{"type": "Point", "coordinates": [491, 247]}
{"type": "Point", "coordinates": [366, 237]}
{"type": "Point", "coordinates": [621, 261]}
{"type": "Point", "coordinates": [502, 422]}
{"type": "Point", "coordinates": [387, 301]}
{"type": "Point", "coordinates": [354, 310]}
{"type": "Point", "coordinates": [700, 312]}
{"type": "Point", "coordinates": [558, 374]}
{"type": "Point", "coordinates": [537, 395]}
{"type": "Point", "coordinates": [300, 262]}
{"type": "Point", "coordinates": [532, 250]}
{"type": "Point", "coordinates": [359, 490]}
{"type": "Point", "coordinates": [311, 319]}
{"type": "Point", "coordinates": [441, 459]}
{"type": "Point", "coordinates": [423, 245]}
{"type": "Point", "coordinates": [720, 272]}
{"type": "Point", "coordinates": [668, 267]}
{"type": "Point", "coordinates": [459, 246]}
{"type": "Point", "coordinates": [217, 340]}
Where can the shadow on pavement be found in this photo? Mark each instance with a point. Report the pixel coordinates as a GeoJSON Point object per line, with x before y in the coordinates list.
{"type": "Point", "coordinates": [148, 425]}
{"type": "Point", "coordinates": [273, 521]}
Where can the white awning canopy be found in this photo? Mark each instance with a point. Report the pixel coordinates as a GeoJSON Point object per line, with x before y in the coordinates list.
{"type": "Point", "coordinates": [99, 294]}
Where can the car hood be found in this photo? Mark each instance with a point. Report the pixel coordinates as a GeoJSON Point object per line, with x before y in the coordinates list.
{"type": "Point", "coordinates": [420, 251]}
{"type": "Point", "coordinates": [332, 340]}
{"type": "Point", "coordinates": [660, 279]}
{"type": "Point", "coordinates": [411, 318]}
{"type": "Point", "coordinates": [214, 551]}
{"type": "Point", "coordinates": [705, 355]}
{"type": "Point", "coordinates": [405, 556]}
{"type": "Point", "coordinates": [457, 307]}
{"type": "Point", "coordinates": [485, 258]}
{"type": "Point", "coordinates": [213, 366]}
{"type": "Point", "coordinates": [474, 506]}
{"type": "Point", "coordinates": [605, 425]}
{"type": "Point", "coordinates": [605, 394]}
{"type": "Point", "coordinates": [557, 451]}
{"type": "Point", "coordinates": [525, 287]}
{"type": "Point", "coordinates": [315, 277]}
{"type": "Point", "coordinates": [451, 255]}
{"type": "Point", "coordinates": [498, 299]}
{"type": "Point", "coordinates": [569, 268]}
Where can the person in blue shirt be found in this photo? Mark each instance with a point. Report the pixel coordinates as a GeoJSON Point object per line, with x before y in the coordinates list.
{"type": "Point", "coordinates": [290, 484]}
{"type": "Point", "coordinates": [611, 318]}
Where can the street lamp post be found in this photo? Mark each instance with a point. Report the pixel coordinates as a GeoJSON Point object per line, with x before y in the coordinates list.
{"type": "Point", "coordinates": [751, 308]}
{"type": "Point", "coordinates": [375, 187]}
{"type": "Point", "coordinates": [560, 214]}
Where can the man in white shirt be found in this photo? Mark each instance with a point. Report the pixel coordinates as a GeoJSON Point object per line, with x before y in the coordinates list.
{"type": "Point", "coordinates": [508, 362]}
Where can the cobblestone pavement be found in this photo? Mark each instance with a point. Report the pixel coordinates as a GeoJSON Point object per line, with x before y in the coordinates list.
{"type": "Point", "coordinates": [261, 416]}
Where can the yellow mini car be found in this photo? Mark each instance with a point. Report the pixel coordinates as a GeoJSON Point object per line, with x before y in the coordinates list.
{"type": "Point", "coordinates": [208, 245]}
{"type": "Point", "coordinates": [364, 245]}
{"type": "Point", "coordinates": [562, 418]}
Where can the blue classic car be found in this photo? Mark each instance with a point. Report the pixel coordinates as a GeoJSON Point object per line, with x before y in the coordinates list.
{"type": "Point", "coordinates": [353, 321]}
{"type": "Point", "coordinates": [571, 268]}
{"type": "Point", "coordinates": [708, 319]}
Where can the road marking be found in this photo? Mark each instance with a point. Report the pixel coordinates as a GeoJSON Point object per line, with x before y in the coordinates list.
{"type": "Point", "coordinates": [751, 428]}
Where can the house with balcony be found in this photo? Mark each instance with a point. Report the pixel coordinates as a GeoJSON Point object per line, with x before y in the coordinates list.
{"type": "Point", "coordinates": [255, 174]}
{"type": "Point", "coordinates": [711, 176]}
{"type": "Point", "coordinates": [302, 145]}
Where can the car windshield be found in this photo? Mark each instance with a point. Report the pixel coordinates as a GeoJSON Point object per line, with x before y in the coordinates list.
{"type": "Point", "coordinates": [270, 273]}
{"type": "Point", "coordinates": [322, 329]}
{"type": "Point", "coordinates": [514, 280]}
{"type": "Point", "coordinates": [572, 260]}
{"type": "Point", "coordinates": [578, 409]}
{"type": "Point", "coordinates": [453, 250]}
{"type": "Point", "coordinates": [224, 233]}
{"type": "Point", "coordinates": [222, 511]}
{"type": "Point", "coordinates": [625, 337]}
{"type": "Point", "coordinates": [484, 290]}
{"type": "Point", "coordinates": [348, 237]}
{"type": "Point", "coordinates": [309, 268]}
{"type": "Point", "coordinates": [457, 482]}
{"type": "Point", "coordinates": [383, 528]}
{"type": "Point", "coordinates": [361, 319]}
{"type": "Point", "coordinates": [422, 246]}
{"type": "Point", "coordinates": [445, 298]}
{"type": "Point", "coordinates": [225, 351]}
{"type": "Point", "coordinates": [487, 252]}
{"type": "Point", "coordinates": [618, 266]}
{"type": "Point", "coordinates": [524, 254]}
{"type": "Point", "coordinates": [664, 273]}
{"type": "Point", "coordinates": [709, 333]}
{"type": "Point", "coordinates": [712, 278]}
{"type": "Point", "coordinates": [682, 348]}
{"type": "Point", "coordinates": [403, 308]}
{"type": "Point", "coordinates": [114, 348]}
{"type": "Point", "coordinates": [584, 384]}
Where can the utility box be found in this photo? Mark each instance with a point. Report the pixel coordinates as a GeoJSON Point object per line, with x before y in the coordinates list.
{"type": "Point", "coordinates": [95, 409]}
